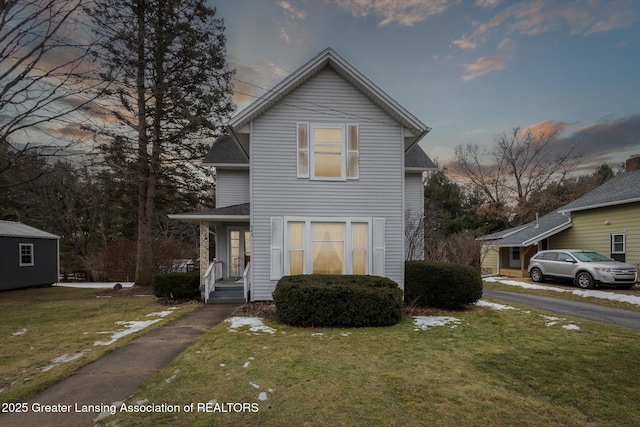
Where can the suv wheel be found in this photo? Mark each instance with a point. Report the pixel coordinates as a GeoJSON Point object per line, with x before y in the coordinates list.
{"type": "Point", "coordinates": [536, 275]}
{"type": "Point", "coordinates": [584, 280]}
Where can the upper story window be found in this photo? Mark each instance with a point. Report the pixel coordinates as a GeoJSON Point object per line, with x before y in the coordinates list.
{"type": "Point", "coordinates": [328, 151]}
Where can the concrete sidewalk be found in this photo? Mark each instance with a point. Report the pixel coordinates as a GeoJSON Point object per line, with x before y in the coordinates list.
{"type": "Point", "coordinates": [116, 376]}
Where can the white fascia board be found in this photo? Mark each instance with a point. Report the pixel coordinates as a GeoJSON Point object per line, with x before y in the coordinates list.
{"type": "Point", "coordinates": [549, 233]}
{"type": "Point", "coordinates": [600, 205]}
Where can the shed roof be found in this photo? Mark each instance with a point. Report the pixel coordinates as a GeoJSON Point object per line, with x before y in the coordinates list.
{"type": "Point", "coordinates": [18, 229]}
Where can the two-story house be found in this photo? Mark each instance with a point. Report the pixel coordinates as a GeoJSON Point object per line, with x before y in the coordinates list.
{"type": "Point", "coordinates": [322, 174]}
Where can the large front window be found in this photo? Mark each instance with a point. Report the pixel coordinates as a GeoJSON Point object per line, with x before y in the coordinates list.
{"type": "Point", "coordinates": [327, 246]}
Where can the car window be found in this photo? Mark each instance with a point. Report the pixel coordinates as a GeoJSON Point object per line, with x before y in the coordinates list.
{"type": "Point", "coordinates": [591, 257]}
{"type": "Point", "coordinates": [550, 256]}
{"type": "Point", "coordinates": [563, 256]}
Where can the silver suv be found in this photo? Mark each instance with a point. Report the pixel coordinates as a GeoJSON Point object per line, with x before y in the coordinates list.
{"type": "Point", "coordinates": [586, 268]}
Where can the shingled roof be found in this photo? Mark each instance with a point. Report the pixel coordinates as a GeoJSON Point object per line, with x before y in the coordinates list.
{"type": "Point", "coordinates": [17, 229]}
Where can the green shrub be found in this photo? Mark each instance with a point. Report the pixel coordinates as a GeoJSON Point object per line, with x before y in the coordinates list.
{"type": "Point", "coordinates": [440, 284]}
{"type": "Point", "coordinates": [338, 300]}
{"type": "Point", "coordinates": [177, 285]}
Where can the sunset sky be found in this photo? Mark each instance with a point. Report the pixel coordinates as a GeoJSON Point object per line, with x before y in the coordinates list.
{"type": "Point", "coordinates": [470, 69]}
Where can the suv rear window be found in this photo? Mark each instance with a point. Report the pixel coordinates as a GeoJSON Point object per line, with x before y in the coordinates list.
{"type": "Point", "coordinates": [548, 256]}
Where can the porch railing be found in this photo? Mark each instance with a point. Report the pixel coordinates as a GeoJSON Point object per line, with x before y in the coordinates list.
{"type": "Point", "coordinates": [211, 276]}
{"type": "Point", "coordinates": [246, 279]}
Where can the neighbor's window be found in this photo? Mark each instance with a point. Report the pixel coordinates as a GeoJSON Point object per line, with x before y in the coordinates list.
{"type": "Point", "coordinates": [618, 246]}
{"type": "Point", "coordinates": [26, 254]}
{"type": "Point", "coordinates": [328, 151]}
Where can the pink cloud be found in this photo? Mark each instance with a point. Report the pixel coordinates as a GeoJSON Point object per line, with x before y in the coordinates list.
{"type": "Point", "coordinates": [482, 66]}
{"type": "Point", "coordinates": [405, 12]}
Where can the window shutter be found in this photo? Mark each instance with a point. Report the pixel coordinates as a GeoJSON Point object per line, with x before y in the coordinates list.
{"type": "Point", "coordinates": [303, 150]}
{"type": "Point", "coordinates": [353, 152]}
{"type": "Point", "coordinates": [378, 247]}
{"type": "Point", "coordinates": [276, 248]}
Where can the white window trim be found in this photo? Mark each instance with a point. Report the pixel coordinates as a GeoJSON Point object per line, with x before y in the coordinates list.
{"type": "Point", "coordinates": [26, 245]}
{"type": "Point", "coordinates": [348, 241]}
{"type": "Point", "coordinates": [624, 243]}
{"type": "Point", "coordinates": [312, 151]}
{"type": "Point", "coordinates": [310, 173]}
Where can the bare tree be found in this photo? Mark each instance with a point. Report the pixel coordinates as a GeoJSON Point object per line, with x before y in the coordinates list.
{"type": "Point", "coordinates": [44, 74]}
{"type": "Point", "coordinates": [519, 164]}
{"type": "Point", "coordinates": [413, 235]}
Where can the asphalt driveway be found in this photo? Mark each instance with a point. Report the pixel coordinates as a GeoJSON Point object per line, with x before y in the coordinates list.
{"type": "Point", "coordinates": [595, 312]}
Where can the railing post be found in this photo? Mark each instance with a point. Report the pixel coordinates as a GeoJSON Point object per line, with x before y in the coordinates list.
{"type": "Point", "coordinates": [204, 250]}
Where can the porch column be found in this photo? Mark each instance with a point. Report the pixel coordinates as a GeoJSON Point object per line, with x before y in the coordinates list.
{"type": "Point", "coordinates": [204, 250]}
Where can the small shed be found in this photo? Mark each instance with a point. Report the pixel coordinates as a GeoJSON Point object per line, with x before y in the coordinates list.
{"type": "Point", "coordinates": [28, 256]}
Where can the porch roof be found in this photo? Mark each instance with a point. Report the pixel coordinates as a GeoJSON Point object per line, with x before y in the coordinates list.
{"type": "Point", "coordinates": [233, 213]}
{"type": "Point", "coordinates": [530, 233]}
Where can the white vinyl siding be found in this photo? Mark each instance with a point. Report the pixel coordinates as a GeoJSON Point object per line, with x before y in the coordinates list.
{"type": "Point", "coordinates": [232, 187]}
{"type": "Point", "coordinates": [277, 192]}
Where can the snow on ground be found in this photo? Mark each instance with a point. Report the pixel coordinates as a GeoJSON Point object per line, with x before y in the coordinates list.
{"type": "Point", "coordinates": [255, 324]}
{"type": "Point", "coordinates": [62, 359]}
{"type": "Point", "coordinates": [551, 320]}
{"type": "Point", "coordinates": [19, 332]}
{"type": "Point", "coordinates": [426, 322]}
{"type": "Point", "coordinates": [612, 296]}
{"type": "Point", "coordinates": [133, 326]}
{"type": "Point", "coordinates": [91, 285]}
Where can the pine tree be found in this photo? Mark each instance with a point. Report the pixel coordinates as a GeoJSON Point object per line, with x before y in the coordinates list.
{"type": "Point", "coordinates": [171, 89]}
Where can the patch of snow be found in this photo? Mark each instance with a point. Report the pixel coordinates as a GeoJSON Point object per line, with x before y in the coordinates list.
{"type": "Point", "coordinates": [317, 334]}
{"type": "Point", "coordinates": [20, 332]}
{"type": "Point", "coordinates": [87, 285]}
{"type": "Point", "coordinates": [345, 334]}
{"type": "Point", "coordinates": [262, 396]}
{"type": "Point", "coordinates": [164, 313]}
{"type": "Point", "coordinates": [571, 327]}
{"type": "Point", "coordinates": [495, 306]}
{"type": "Point", "coordinates": [254, 385]}
{"type": "Point", "coordinates": [222, 365]}
{"type": "Point", "coordinates": [425, 322]}
{"type": "Point", "coordinates": [62, 359]}
{"type": "Point", "coordinates": [255, 324]}
{"type": "Point", "coordinates": [630, 299]}
{"type": "Point", "coordinates": [131, 327]}
{"type": "Point", "coordinates": [246, 364]}
{"type": "Point", "coordinates": [173, 377]}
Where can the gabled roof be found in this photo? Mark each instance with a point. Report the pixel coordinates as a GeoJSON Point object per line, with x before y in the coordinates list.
{"type": "Point", "coordinates": [530, 233]}
{"type": "Point", "coordinates": [417, 160]}
{"type": "Point", "coordinates": [234, 213]}
{"type": "Point", "coordinates": [226, 152]}
{"type": "Point", "coordinates": [623, 188]}
{"type": "Point", "coordinates": [17, 229]}
{"type": "Point", "coordinates": [329, 58]}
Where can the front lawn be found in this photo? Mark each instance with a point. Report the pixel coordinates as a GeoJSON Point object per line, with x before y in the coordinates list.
{"type": "Point", "coordinates": [483, 366]}
{"type": "Point", "coordinates": [48, 333]}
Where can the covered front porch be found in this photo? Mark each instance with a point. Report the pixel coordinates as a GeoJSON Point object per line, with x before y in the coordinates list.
{"type": "Point", "coordinates": [225, 275]}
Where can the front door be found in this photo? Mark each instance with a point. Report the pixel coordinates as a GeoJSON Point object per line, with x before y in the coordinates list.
{"type": "Point", "coordinates": [239, 251]}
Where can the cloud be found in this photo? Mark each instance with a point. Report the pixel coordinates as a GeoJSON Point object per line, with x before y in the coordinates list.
{"type": "Point", "coordinates": [547, 127]}
{"type": "Point", "coordinates": [610, 141]}
{"type": "Point", "coordinates": [290, 25]}
{"type": "Point", "coordinates": [402, 12]}
{"type": "Point", "coordinates": [488, 3]}
{"type": "Point", "coordinates": [253, 81]}
{"type": "Point", "coordinates": [483, 66]}
{"type": "Point", "coordinates": [507, 44]}
{"type": "Point", "coordinates": [531, 18]}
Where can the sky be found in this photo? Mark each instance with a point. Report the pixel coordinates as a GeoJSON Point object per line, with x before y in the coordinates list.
{"type": "Point", "coordinates": [469, 69]}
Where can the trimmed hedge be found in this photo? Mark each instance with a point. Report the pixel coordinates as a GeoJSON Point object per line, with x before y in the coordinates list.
{"type": "Point", "coordinates": [338, 300]}
{"type": "Point", "coordinates": [441, 284]}
{"type": "Point", "coordinates": [177, 285]}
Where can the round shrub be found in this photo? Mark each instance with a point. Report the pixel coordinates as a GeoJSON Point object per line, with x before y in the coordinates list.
{"type": "Point", "coordinates": [441, 284]}
{"type": "Point", "coordinates": [338, 300]}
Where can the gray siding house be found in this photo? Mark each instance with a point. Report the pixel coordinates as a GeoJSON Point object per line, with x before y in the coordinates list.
{"type": "Point", "coordinates": [323, 174]}
{"type": "Point", "coordinates": [28, 256]}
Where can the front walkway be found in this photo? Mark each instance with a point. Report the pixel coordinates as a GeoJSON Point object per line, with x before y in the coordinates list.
{"type": "Point", "coordinates": [116, 376]}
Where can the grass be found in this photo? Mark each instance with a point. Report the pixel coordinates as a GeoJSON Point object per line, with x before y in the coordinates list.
{"type": "Point", "coordinates": [40, 325]}
{"type": "Point", "coordinates": [493, 368]}
{"type": "Point", "coordinates": [497, 286]}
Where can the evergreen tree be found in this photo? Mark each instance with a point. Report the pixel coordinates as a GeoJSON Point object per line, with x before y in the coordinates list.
{"type": "Point", "coordinates": [165, 62]}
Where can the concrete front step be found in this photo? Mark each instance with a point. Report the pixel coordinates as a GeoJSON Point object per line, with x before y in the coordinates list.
{"type": "Point", "coordinates": [227, 295]}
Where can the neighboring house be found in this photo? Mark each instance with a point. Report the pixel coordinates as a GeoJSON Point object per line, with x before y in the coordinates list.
{"type": "Point", "coordinates": [605, 220]}
{"type": "Point", "coordinates": [28, 256]}
{"type": "Point", "coordinates": [322, 174]}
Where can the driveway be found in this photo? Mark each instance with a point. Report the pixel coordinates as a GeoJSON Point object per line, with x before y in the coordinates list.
{"type": "Point", "coordinates": [595, 312]}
